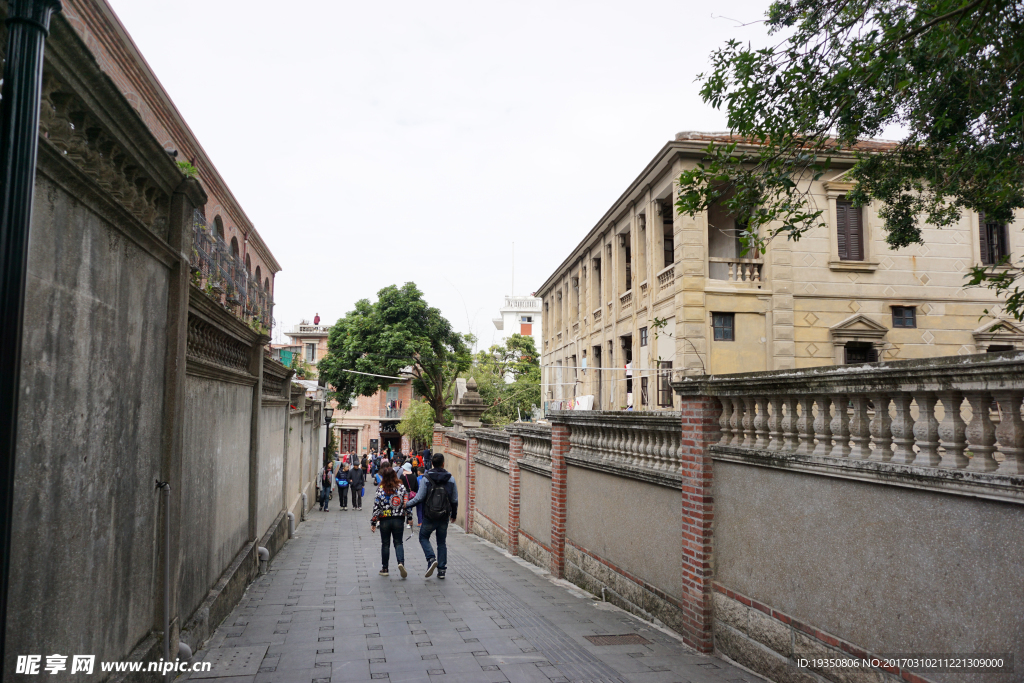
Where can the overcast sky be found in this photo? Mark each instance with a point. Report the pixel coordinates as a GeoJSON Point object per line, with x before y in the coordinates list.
{"type": "Point", "coordinates": [378, 143]}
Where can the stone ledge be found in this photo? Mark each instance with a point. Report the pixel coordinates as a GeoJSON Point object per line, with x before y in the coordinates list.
{"type": "Point", "coordinates": [988, 485]}
{"type": "Point", "coordinates": [222, 598]}
{"type": "Point", "coordinates": [541, 467]}
{"type": "Point", "coordinates": [533, 551]}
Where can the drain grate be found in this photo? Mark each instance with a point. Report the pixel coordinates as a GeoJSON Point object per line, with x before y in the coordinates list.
{"type": "Point", "coordinates": [234, 661]}
{"type": "Point", "coordinates": [625, 639]}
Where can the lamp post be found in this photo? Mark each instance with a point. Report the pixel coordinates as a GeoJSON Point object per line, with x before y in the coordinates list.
{"type": "Point", "coordinates": [328, 414]}
{"type": "Point", "coordinates": [28, 24]}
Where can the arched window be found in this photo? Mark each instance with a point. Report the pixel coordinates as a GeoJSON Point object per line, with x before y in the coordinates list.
{"type": "Point", "coordinates": [248, 266]}
{"type": "Point", "coordinates": [258, 276]}
{"type": "Point", "coordinates": [266, 285]}
{"type": "Point", "coordinates": [218, 227]}
{"type": "Point", "coordinates": [234, 247]}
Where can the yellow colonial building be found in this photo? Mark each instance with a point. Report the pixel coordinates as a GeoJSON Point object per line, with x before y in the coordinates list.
{"type": "Point", "coordinates": [648, 293]}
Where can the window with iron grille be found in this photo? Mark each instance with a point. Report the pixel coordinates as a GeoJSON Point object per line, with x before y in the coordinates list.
{"type": "Point", "coordinates": [904, 316]}
{"type": "Point", "coordinates": [664, 386]}
{"type": "Point", "coordinates": [643, 336]}
{"type": "Point", "coordinates": [311, 352]}
{"type": "Point", "coordinates": [643, 391]}
{"type": "Point", "coordinates": [724, 325]}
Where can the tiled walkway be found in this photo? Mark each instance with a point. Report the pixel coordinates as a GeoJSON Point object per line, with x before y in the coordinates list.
{"type": "Point", "coordinates": [323, 615]}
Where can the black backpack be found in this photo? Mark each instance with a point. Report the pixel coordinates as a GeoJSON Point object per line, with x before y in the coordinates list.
{"type": "Point", "coordinates": [437, 506]}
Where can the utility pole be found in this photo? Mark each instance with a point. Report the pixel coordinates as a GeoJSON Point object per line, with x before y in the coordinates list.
{"type": "Point", "coordinates": [28, 24]}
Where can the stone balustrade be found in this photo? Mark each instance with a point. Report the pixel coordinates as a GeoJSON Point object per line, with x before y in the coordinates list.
{"type": "Point", "coordinates": [597, 316]}
{"type": "Point", "coordinates": [741, 270]}
{"type": "Point", "coordinates": [666, 278]}
{"type": "Point", "coordinates": [536, 455]}
{"type": "Point", "coordinates": [645, 446]}
{"type": "Point", "coordinates": [626, 300]}
{"type": "Point", "coordinates": [493, 448]}
{"type": "Point", "coordinates": [956, 418]}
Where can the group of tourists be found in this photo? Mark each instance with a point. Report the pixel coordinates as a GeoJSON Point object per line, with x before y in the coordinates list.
{"type": "Point", "coordinates": [344, 477]}
{"type": "Point", "coordinates": [405, 484]}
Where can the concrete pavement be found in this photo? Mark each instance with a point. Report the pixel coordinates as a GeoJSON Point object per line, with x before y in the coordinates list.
{"type": "Point", "coordinates": [323, 615]}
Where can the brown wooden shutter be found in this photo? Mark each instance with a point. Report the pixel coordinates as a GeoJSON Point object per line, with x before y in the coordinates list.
{"type": "Point", "coordinates": [986, 249]}
{"type": "Point", "coordinates": [842, 219]}
{"type": "Point", "coordinates": [855, 233]}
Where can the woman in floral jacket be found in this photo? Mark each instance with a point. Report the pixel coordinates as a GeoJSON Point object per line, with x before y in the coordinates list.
{"type": "Point", "coordinates": [389, 513]}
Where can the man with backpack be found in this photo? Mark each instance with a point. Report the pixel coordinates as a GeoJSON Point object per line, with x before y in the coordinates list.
{"type": "Point", "coordinates": [440, 498]}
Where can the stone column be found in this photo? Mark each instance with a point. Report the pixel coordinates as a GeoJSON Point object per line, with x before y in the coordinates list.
{"type": "Point", "coordinates": [700, 427]}
{"type": "Point", "coordinates": [559, 449]}
{"type": "Point", "coordinates": [515, 451]}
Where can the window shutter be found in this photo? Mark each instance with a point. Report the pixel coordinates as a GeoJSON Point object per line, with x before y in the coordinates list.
{"type": "Point", "coordinates": [872, 355]}
{"type": "Point", "coordinates": [986, 250]}
{"type": "Point", "coordinates": [855, 233]}
{"type": "Point", "coordinates": [841, 230]}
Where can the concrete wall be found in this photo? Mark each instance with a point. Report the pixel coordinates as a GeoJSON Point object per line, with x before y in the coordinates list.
{"type": "Point", "coordinates": [89, 440]}
{"type": "Point", "coordinates": [890, 569]}
{"type": "Point", "coordinates": [129, 376]}
{"type": "Point", "coordinates": [631, 524]}
{"type": "Point", "coordinates": [457, 466]}
{"type": "Point", "coordinates": [492, 494]}
{"type": "Point", "coordinates": [215, 482]}
{"type": "Point", "coordinates": [535, 506]}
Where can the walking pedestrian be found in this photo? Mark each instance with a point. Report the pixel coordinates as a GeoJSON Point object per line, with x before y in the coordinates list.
{"type": "Point", "coordinates": [326, 479]}
{"type": "Point", "coordinates": [440, 498]}
{"type": "Point", "coordinates": [356, 482]}
{"type": "Point", "coordinates": [408, 480]}
{"type": "Point", "coordinates": [419, 508]}
{"type": "Point", "coordinates": [389, 512]}
{"type": "Point", "coordinates": [341, 480]}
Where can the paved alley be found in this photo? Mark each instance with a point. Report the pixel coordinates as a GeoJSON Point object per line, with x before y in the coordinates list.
{"type": "Point", "coordinates": [323, 615]}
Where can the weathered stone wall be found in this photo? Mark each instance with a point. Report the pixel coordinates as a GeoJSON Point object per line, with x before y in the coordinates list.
{"type": "Point", "coordinates": [627, 523]}
{"type": "Point", "coordinates": [130, 376]}
{"type": "Point", "coordinates": [885, 568]}
{"type": "Point", "coordinates": [89, 441]}
{"type": "Point", "coordinates": [214, 487]}
{"type": "Point", "coordinates": [535, 506]}
{"type": "Point", "coordinates": [492, 495]}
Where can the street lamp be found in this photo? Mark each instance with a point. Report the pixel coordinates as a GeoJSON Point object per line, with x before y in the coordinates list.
{"type": "Point", "coordinates": [328, 413]}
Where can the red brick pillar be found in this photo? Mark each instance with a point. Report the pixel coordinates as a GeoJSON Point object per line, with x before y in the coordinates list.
{"type": "Point", "coordinates": [559, 449]}
{"type": "Point", "coordinates": [472, 448]}
{"type": "Point", "coordinates": [437, 442]}
{"type": "Point", "coordinates": [515, 451]}
{"type": "Point", "coordinates": [700, 430]}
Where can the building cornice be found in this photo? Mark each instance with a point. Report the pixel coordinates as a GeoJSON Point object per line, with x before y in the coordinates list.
{"type": "Point", "coordinates": [645, 181]}
{"type": "Point", "coordinates": [102, 24]}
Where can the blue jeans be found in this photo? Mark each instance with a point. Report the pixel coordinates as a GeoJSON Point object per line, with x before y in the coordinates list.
{"type": "Point", "coordinates": [325, 497]}
{"type": "Point", "coordinates": [441, 527]}
{"type": "Point", "coordinates": [391, 529]}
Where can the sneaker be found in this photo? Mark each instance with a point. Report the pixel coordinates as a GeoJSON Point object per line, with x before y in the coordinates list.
{"type": "Point", "coordinates": [430, 569]}
{"type": "Point", "coordinates": [401, 570]}
{"type": "Point", "coordinates": [440, 573]}
{"type": "Point", "coordinates": [383, 571]}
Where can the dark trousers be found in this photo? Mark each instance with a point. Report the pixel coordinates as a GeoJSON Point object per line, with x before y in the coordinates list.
{"type": "Point", "coordinates": [428, 527]}
{"type": "Point", "coordinates": [343, 497]}
{"type": "Point", "coordinates": [391, 529]}
{"type": "Point", "coordinates": [357, 496]}
{"type": "Point", "coordinates": [325, 494]}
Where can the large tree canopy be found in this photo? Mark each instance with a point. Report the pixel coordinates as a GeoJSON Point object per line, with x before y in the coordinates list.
{"type": "Point", "coordinates": [948, 72]}
{"type": "Point", "coordinates": [508, 379]}
{"type": "Point", "coordinates": [399, 332]}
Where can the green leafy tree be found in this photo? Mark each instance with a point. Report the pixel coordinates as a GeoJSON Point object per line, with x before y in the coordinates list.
{"type": "Point", "coordinates": [399, 333]}
{"type": "Point", "coordinates": [508, 379]}
{"type": "Point", "coordinates": [948, 72]}
{"type": "Point", "coordinates": [418, 422]}
{"type": "Point", "coordinates": [303, 370]}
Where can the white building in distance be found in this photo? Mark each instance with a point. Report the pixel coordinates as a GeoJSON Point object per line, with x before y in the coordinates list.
{"type": "Point", "coordinates": [522, 315]}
